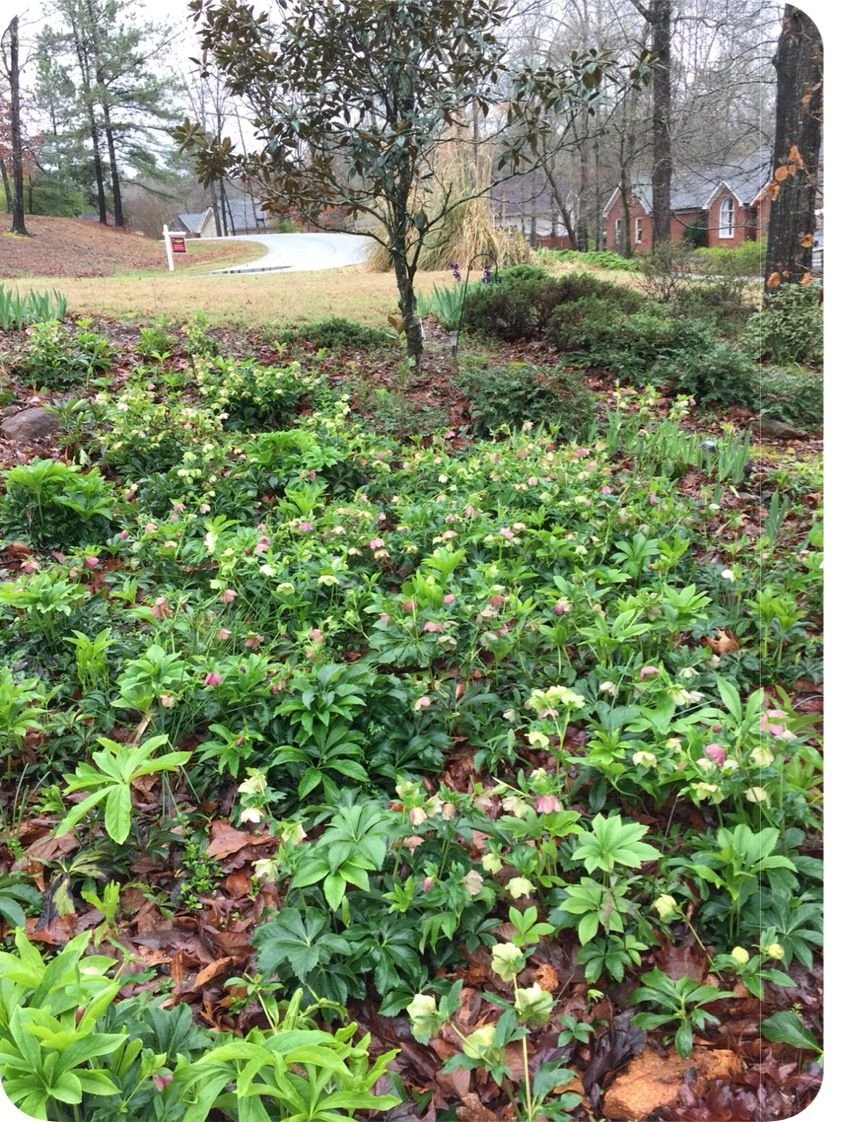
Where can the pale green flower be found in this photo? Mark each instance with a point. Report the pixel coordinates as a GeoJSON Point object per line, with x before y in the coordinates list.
{"type": "Point", "coordinates": [254, 785]}
{"type": "Point", "coordinates": [507, 960]}
{"type": "Point", "coordinates": [480, 1044]}
{"type": "Point", "coordinates": [492, 863]}
{"type": "Point", "coordinates": [756, 795]}
{"type": "Point", "coordinates": [665, 906]}
{"type": "Point", "coordinates": [533, 1005]}
{"type": "Point", "coordinates": [762, 756]}
{"type": "Point", "coordinates": [538, 739]}
{"type": "Point", "coordinates": [422, 1005]}
{"type": "Point", "coordinates": [775, 950]}
{"type": "Point", "coordinates": [646, 759]}
{"type": "Point", "coordinates": [520, 886]}
{"type": "Point", "coordinates": [740, 955]}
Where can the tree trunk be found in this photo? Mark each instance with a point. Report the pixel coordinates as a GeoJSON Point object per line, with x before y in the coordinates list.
{"type": "Point", "coordinates": [18, 223]}
{"type": "Point", "coordinates": [660, 13]}
{"type": "Point", "coordinates": [798, 134]}
{"type": "Point", "coordinates": [98, 172]}
{"type": "Point", "coordinates": [116, 195]}
{"type": "Point", "coordinates": [85, 72]}
{"type": "Point", "coordinates": [7, 188]}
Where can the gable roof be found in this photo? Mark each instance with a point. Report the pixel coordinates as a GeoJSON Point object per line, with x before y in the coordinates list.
{"type": "Point", "coordinates": [695, 190]}
{"type": "Point", "coordinates": [193, 222]}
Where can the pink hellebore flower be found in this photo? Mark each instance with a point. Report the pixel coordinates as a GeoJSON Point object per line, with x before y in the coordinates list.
{"type": "Point", "coordinates": [508, 534]}
{"type": "Point", "coordinates": [253, 642]}
{"type": "Point", "coordinates": [716, 753]}
{"type": "Point", "coordinates": [161, 609]}
{"type": "Point", "coordinates": [546, 804]}
{"type": "Point", "coordinates": [423, 702]}
{"type": "Point", "coordinates": [560, 607]}
{"type": "Point", "coordinates": [431, 625]}
{"type": "Point", "coordinates": [213, 679]}
{"type": "Point", "coordinates": [228, 595]}
{"type": "Point", "coordinates": [449, 598]}
{"type": "Point", "coordinates": [160, 1081]}
{"type": "Point", "coordinates": [647, 672]}
{"type": "Point", "coordinates": [376, 543]}
{"type": "Point", "coordinates": [305, 527]}
{"type": "Point", "coordinates": [316, 635]}
{"type": "Point", "coordinates": [605, 491]}
{"type": "Point", "coordinates": [222, 634]}
{"type": "Point", "coordinates": [91, 562]}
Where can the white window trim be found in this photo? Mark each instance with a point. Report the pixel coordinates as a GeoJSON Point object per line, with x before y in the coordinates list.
{"type": "Point", "coordinates": [726, 229]}
{"type": "Point", "coordinates": [638, 231]}
{"type": "Point", "coordinates": [618, 232]}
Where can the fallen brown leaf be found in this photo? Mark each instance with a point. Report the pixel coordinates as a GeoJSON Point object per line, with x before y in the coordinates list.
{"type": "Point", "coordinates": [723, 643]}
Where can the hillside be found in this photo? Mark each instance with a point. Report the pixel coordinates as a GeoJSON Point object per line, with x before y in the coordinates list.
{"type": "Point", "coordinates": [73, 247]}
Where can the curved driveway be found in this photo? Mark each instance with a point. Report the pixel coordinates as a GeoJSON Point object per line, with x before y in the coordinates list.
{"type": "Point", "coordinates": [293, 253]}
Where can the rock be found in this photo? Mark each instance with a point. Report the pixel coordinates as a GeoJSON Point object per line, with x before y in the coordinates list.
{"type": "Point", "coordinates": [30, 424]}
{"type": "Point", "coordinates": [652, 1081]}
{"type": "Point", "coordinates": [777, 430]}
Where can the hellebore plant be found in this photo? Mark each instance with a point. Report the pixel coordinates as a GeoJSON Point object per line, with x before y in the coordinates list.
{"type": "Point", "coordinates": [485, 1047]}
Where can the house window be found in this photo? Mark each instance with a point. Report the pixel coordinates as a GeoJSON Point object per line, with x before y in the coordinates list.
{"type": "Point", "coordinates": [638, 231]}
{"type": "Point", "coordinates": [618, 233]}
{"type": "Point", "coordinates": [726, 217]}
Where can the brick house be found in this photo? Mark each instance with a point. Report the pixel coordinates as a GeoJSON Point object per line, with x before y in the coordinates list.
{"type": "Point", "coordinates": [720, 207]}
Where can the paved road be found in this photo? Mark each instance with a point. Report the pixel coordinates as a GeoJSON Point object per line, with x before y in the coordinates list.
{"type": "Point", "coordinates": [294, 253]}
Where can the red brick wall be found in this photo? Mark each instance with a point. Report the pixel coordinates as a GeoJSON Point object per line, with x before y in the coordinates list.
{"type": "Point", "coordinates": [636, 210]}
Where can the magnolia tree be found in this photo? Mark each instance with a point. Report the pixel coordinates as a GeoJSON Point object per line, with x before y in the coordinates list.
{"type": "Point", "coordinates": [351, 100]}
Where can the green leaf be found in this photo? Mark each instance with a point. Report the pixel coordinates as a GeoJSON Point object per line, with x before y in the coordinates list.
{"type": "Point", "coordinates": [684, 1040]}
{"type": "Point", "coordinates": [787, 1027]}
{"type": "Point", "coordinates": [118, 813]}
{"type": "Point", "coordinates": [334, 889]}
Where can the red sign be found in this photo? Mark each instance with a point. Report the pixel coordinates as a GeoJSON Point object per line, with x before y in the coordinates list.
{"type": "Point", "coordinates": [179, 245]}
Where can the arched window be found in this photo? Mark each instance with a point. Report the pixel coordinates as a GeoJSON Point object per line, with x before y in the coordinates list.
{"type": "Point", "coordinates": [726, 217]}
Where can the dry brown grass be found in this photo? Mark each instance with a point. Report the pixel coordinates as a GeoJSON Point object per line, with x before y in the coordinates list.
{"type": "Point", "coordinates": [257, 298]}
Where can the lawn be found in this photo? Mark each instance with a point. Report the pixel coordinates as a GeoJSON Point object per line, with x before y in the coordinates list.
{"type": "Point", "coordinates": [438, 742]}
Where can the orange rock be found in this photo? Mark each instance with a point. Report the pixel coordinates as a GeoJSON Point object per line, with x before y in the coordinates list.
{"type": "Point", "coordinates": [653, 1081]}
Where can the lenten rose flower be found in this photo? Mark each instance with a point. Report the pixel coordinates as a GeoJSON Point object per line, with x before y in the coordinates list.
{"type": "Point", "coordinates": [228, 596]}
{"type": "Point", "coordinates": [213, 679]}
{"type": "Point", "coordinates": [473, 882]}
{"type": "Point", "coordinates": [716, 753]}
{"type": "Point", "coordinates": [546, 804]}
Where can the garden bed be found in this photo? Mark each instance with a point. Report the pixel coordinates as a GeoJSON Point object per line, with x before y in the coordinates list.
{"type": "Point", "coordinates": [319, 705]}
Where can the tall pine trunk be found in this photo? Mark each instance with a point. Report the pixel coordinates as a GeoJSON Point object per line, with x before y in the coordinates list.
{"type": "Point", "coordinates": [116, 195]}
{"type": "Point", "coordinates": [18, 223]}
{"type": "Point", "coordinates": [798, 134]}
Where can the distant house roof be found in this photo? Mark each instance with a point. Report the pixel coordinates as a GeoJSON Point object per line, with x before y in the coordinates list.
{"type": "Point", "coordinates": [193, 222]}
{"type": "Point", "coordinates": [523, 195]}
{"type": "Point", "coordinates": [245, 213]}
{"type": "Point", "coordinates": [694, 190]}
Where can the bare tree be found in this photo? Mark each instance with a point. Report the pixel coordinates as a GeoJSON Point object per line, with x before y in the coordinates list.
{"type": "Point", "coordinates": [11, 66]}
